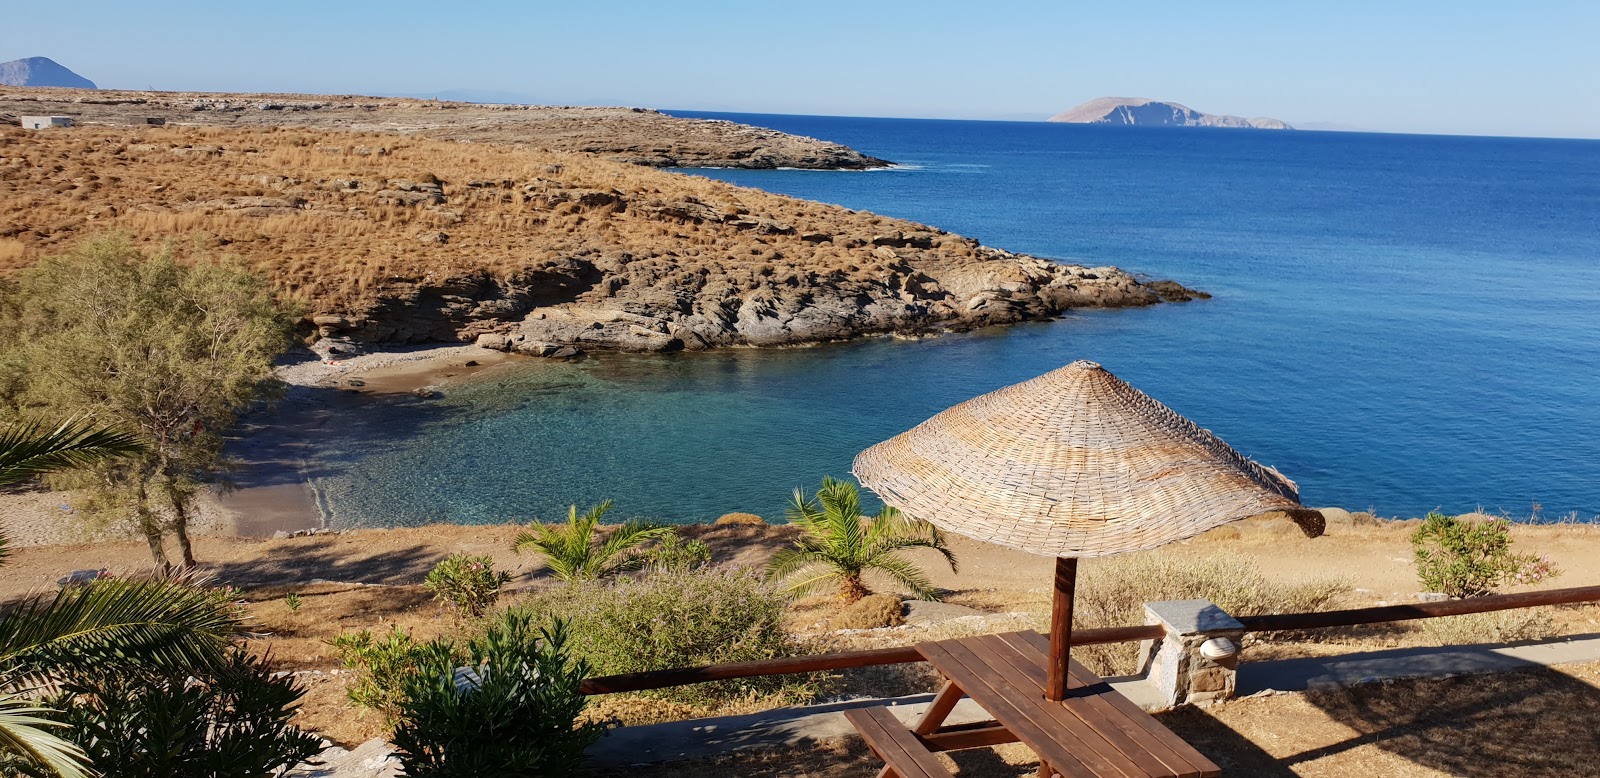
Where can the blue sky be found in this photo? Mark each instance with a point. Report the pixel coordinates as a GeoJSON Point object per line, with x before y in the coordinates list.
{"type": "Point", "coordinates": [1502, 68]}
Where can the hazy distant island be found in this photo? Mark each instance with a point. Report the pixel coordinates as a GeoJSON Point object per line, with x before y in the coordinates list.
{"type": "Point", "coordinates": [1144, 112]}
{"type": "Point", "coordinates": [40, 71]}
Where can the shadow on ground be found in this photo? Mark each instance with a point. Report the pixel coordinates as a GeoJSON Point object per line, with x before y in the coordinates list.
{"type": "Point", "coordinates": [1231, 751]}
{"type": "Point", "coordinates": [1536, 722]}
{"type": "Point", "coordinates": [332, 560]}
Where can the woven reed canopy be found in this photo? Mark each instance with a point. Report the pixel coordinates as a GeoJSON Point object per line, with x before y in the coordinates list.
{"type": "Point", "coordinates": [1074, 463]}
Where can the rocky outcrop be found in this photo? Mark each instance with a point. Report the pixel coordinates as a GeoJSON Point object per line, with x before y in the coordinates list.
{"type": "Point", "coordinates": [630, 304]}
{"type": "Point", "coordinates": [1145, 112]}
{"type": "Point", "coordinates": [636, 136]}
{"type": "Point", "coordinates": [385, 240]}
{"type": "Point", "coordinates": [40, 71]}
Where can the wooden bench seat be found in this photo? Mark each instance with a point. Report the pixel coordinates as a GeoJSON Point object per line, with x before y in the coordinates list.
{"type": "Point", "coordinates": [904, 754]}
{"type": "Point", "coordinates": [1095, 731]}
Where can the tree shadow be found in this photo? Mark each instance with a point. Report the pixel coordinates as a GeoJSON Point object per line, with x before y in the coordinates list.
{"type": "Point", "coordinates": [1231, 751]}
{"type": "Point", "coordinates": [1535, 722]}
{"type": "Point", "coordinates": [329, 559]}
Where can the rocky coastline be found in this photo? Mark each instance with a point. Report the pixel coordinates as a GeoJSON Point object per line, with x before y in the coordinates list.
{"type": "Point", "coordinates": [612, 304]}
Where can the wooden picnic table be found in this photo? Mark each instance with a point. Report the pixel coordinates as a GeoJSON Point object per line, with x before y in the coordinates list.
{"type": "Point", "coordinates": [1094, 731]}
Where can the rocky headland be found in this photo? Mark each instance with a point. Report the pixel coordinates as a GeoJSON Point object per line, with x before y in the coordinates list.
{"type": "Point", "coordinates": [399, 239]}
{"type": "Point", "coordinates": [1144, 112]}
{"type": "Point", "coordinates": [633, 135]}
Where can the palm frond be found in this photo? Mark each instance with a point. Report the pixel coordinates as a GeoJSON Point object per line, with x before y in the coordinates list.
{"type": "Point", "coordinates": [610, 558]}
{"type": "Point", "coordinates": [28, 450]}
{"type": "Point", "coordinates": [786, 562]}
{"type": "Point", "coordinates": [26, 734]}
{"type": "Point", "coordinates": [156, 623]}
{"type": "Point", "coordinates": [908, 575]}
{"type": "Point", "coordinates": [813, 584]}
{"type": "Point", "coordinates": [887, 535]}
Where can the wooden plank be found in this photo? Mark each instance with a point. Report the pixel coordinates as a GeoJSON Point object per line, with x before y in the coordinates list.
{"type": "Point", "coordinates": [1419, 610]}
{"type": "Point", "coordinates": [939, 710]}
{"type": "Point", "coordinates": [1062, 749]}
{"type": "Point", "coordinates": [957, 739]}
{"type": "Point", "coordinates": [1150, 754]}
{"type": "Point", "coordinates": [1096, 731]}
{"type": "Point", "coordinates": [875, 657]}
{"type": "Point", "coordinates": [896, 745]}
{"type": "Point", "coordinates": [1199, 764]}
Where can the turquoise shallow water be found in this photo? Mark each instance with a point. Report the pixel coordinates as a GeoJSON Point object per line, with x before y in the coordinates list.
{"type": "Point", "coordinates": [1400, 323]}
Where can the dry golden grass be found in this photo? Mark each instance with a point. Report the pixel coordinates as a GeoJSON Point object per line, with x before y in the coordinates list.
{"type": "Point", "coordinates": [339, 218]}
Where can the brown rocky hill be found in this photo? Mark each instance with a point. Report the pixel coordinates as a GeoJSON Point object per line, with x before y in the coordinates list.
{"type": "Point", "coordinates": [407, 239]}
{"type": "Point", "coordinates": [634, 135]}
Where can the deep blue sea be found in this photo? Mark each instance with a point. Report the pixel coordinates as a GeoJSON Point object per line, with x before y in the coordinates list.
{"type": "Point", "coordinates": [1400, 323]}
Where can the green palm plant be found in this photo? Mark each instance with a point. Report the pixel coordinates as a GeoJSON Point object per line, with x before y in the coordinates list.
{"type": "Point", "coordinates": [574, 553]}
{"type": "Point", "coordinates": [158, 623]}
{"type": "Point", "coordinates": [28, 450]}
{"type": "Point", "coordinates": [839, 545]}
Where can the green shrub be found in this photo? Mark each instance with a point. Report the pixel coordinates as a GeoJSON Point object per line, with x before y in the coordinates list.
{"type": "Point", "coordinates": [1465, 558]}
{"type": "Point", "coordinates": [872, 612]}
{"type": "Point", "coordinates": [381, 667]}
{"type": "Point", "coordinates": [512, 710]}
{"type": "Point", "coordinates": [674, 553]}
{"type": "Point", "coordinates": [469, 584]}
{"type": "Point", "coordinates": [680, 619]}
{"type": "Point", "coordinates": [1112, 592]}
{"type": "Point", "coordinates": [293, 601]}
{"type": "Point", "coordinates": [231, 721]}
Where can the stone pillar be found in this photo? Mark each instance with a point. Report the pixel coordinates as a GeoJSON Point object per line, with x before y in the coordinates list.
{"type": "Point", "coordinates": [1197, 661]}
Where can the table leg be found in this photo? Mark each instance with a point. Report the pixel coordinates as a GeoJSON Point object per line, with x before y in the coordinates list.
{"type": "Point", "coordinates": [939, 710]}
{"type": "Point", "coordinates": [1045, 771]}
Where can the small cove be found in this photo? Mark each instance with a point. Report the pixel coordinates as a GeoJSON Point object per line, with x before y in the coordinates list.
{"type": "Point", "coordinates": [1400, 323]}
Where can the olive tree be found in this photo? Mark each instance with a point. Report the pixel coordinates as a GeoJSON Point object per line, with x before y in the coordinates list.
{"type": "Point", "coordinates": [168, 350]}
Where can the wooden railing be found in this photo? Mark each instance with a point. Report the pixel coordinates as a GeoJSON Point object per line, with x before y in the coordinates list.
{"type": "Point", "coordinates": [661, 679]}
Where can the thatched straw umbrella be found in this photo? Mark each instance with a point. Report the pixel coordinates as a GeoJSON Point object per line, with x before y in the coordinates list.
{"type": "Point", "coordinates": [1074, 463]}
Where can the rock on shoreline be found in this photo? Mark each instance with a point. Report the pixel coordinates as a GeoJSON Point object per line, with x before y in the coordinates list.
{"type": "Point", "coordinates": [909, 296]}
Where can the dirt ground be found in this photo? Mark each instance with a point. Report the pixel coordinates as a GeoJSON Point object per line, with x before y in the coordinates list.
{"type": "Point", "coordinates": [370, 579]}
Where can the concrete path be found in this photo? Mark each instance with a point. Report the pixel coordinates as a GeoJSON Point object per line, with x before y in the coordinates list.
{"type": "Point", "coordinates": [701, 738]}
{"type": "Point", "coordinates": [1294, 675]}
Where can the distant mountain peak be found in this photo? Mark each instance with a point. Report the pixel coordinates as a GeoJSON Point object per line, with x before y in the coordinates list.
{"type": "Point", "coordinates": [1143, 111]}
{"type": "Point", "coordinates": [40, 71]}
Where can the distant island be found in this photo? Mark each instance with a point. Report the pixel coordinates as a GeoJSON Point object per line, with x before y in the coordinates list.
{"type": "Point", "coordinates": [40, 71]}
{"type": "Point", "coordinates": [1145, 112]}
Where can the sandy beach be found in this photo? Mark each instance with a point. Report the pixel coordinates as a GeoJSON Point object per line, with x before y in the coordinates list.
{"type": "Point", "coordinates": [276, 450]}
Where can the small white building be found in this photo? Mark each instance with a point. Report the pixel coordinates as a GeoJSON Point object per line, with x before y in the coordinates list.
{"type": "Point", "coordinates": [45, 122]}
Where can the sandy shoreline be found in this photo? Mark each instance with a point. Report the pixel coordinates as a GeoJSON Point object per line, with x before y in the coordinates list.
{"type": "Point", "coordinates": [276, 449]}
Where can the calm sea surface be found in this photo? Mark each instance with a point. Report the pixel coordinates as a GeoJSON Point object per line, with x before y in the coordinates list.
{"type": "Point", "coordinates": [1401, 323]}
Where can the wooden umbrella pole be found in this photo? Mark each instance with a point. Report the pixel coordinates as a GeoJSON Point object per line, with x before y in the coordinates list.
{"type": "Point", "coordinates": [1061, 627]}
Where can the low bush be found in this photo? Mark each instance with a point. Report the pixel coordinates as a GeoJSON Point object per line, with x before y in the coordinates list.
{"type": "Point", "coordinates": [469, 584]}
{"type": "Point", "coordinates": [230, 721]}
{"type": "Point", "coordinates": [740, 519]}
{"type": "Point", "coordinates": [674, 553]}
{"type": "Point", "coordinates": [512, 710]}
{"type": "Point", "coordinates": [1507, 626]}
{"type": "Point", "coordinates": [872, 612]}
{"type": "Point", "coordinates": [681, 619]}
{"type": "Point", "coordinates": [1470, 558]}
{"type": "Point", "coordinates": [381, 667]}
{"type": "Point", "coordinates": [1112, 592]}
